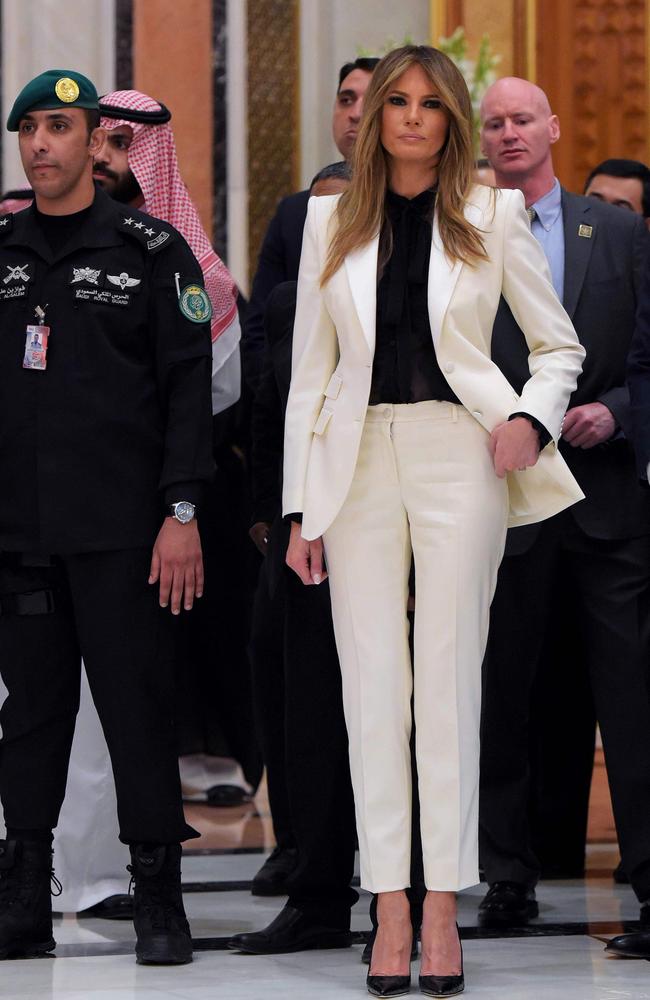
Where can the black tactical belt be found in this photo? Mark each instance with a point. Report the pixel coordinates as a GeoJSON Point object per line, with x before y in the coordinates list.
{"type": "Point", "coordinates": [35, 602]}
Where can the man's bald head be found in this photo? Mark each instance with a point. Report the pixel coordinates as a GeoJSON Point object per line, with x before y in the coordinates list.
{"type": "Point", "coordinates": [518, 129]}
{"type": "Point", "coordinates": [513, 88]}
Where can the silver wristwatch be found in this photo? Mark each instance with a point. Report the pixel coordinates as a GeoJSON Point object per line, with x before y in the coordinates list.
{"type": "Point", "coordinates": [183, 511]}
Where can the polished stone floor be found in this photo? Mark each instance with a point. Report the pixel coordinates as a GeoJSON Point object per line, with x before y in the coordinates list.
{"type": "Point", "coordinates": [561, 957]}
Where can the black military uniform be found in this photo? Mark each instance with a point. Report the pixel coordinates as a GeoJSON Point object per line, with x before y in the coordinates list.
{"type": "Point", "coordinates": [90, 449]}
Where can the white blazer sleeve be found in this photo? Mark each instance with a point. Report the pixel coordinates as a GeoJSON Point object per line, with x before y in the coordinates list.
{"type": "Point", "coordinates": [314, 358]}
{"type": "Point", "coordinates": [556, 356]}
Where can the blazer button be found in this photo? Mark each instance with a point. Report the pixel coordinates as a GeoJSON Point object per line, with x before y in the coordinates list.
{"type": "Point", "coordinates": [449, 368]}
{"type": "Point", "coordinates": [477, 413]}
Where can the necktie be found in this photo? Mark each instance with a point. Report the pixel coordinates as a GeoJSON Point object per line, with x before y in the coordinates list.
{"type": "Point", "coordinates": [532, 214]}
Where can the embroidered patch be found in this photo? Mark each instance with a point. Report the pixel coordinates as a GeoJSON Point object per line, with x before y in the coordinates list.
{"type": "Point", "coordinates": [17, 273]}
{"type": "Point", "coordinates": [102, 296]}
{"type": "Point", "coordinates": [88, 275]}
{"type": "Point", "coordinates": [123, 280]}
{"type": "Point", "coordinates": [195, 304]}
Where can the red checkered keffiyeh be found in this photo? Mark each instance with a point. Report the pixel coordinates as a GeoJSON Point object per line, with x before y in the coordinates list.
{"type": "Point", "coordinates": [152, 159]}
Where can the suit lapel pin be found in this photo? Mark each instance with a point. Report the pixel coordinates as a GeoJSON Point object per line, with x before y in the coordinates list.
{"type": "Point", "coordinates": [585, 230]}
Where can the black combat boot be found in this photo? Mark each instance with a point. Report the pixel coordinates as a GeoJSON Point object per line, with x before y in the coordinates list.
{"type": "Point", "coordinates": [25, 898]}
{"type": "Point", "coordinates": [161, 927]}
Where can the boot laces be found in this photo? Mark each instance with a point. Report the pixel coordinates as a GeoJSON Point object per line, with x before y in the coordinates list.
{"type": "Point", "coordinates": [157, 897]}
{"type": "Point", "coordinates": [18, 883]}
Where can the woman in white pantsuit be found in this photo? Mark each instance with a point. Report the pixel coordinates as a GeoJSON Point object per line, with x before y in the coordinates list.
{"type": "Point", "coordinates": [402, 435]}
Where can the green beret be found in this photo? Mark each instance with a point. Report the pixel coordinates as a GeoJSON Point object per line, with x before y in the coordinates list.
{"type": "Point", "coordinates": [55, 88]}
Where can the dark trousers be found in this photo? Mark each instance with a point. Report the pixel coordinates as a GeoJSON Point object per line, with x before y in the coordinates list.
{"type": "Point", "coordinates": [104, 611]}
{"type": "Point", "coordinates": [299, 708]}
{"type": "Point", "coordinates": [606, 583]}
{"type": "Point", "coordinates": [266, 651]}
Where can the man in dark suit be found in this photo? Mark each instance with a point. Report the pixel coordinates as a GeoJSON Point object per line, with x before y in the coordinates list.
{"type": "Point", "coordinates": [299, 704]}
{"type": "Point", "coordinates": [280, 253]}
{"type": "Point", "coordinates": [637, 943]}
{"type": "Point", "coordinates": [595, 558]}
{"type": "Point", "coordinates": [278, 262]}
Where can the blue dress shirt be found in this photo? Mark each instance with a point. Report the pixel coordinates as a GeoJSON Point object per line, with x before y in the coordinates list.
{"type": "Point", "coordinates": [548, 229]}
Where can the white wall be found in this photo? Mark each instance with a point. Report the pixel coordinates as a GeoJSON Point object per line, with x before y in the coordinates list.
{"type": "Point", "coordinates": [330, 33]}
{"type": "Point", "coordinates": [52, 34]}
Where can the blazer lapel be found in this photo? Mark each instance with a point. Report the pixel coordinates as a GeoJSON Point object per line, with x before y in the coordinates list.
{"type": "Point", "coordinates": [443, 275]}
{"type": "Point", "coordinates": [577, 248]}
{"type": "Point", "coordinates": [361, 267]}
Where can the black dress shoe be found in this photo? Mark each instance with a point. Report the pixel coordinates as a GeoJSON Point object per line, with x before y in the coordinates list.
{"type": "Point", "coordinates": [444, 986]}
{"type": "Point", "coordinates": [507, 904]}
{"type": "Point", "coordinates": [271, 879]}
{"type": "Point", "coordinates": [227, 796]}
{"type": "Point", "coordinates": [635, 944]}
{"type": "Point", "coordinates": [292, 930]}
{"type": "Point", "coordinates": [117, 907]}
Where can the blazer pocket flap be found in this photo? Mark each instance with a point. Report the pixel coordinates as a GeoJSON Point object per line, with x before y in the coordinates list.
{"type": "Point", "coordinates": [323, 420]}
{"type": "Point", "coordinates": [334, 386]}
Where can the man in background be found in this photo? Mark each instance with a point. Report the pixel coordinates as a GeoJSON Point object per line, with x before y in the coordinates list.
{"type": "Point", "coordinates": [591, 564]}
{"type": "Point", "coordinates": [625, 183]}
{"type": "Point", "coordinates": [280, 253]}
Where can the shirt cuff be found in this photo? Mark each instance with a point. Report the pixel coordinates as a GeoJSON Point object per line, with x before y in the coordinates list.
{"type": "Point", "coordinates": [293, 518]}
{"type": "Point", "coordinates": [544, 436]}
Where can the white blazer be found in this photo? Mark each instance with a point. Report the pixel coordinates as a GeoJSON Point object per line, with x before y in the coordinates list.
{"type": "Point", "coordinates": [333, 346]}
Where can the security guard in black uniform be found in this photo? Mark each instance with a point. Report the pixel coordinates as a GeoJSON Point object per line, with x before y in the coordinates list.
{"type": "Point", "coordinates": [105, 445]}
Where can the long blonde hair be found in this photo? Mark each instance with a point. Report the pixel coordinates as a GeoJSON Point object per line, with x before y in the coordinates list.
{"type": "Point", "coordinates": [360, 210]}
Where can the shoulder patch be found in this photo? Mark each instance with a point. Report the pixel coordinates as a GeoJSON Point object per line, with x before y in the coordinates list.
{"type": "Point", "coordinates": [152, 237]}
{"type": "Point", "coordinates": [194, 303]}
{"type": "Point", "coordinates": [6, 224]}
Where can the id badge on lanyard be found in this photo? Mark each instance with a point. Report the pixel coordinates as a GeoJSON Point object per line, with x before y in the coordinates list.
{"type": "Point", "coordinates": [36, 339]}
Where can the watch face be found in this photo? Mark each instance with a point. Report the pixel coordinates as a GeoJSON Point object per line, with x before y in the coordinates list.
{"type": "Point", "coordinates": [184, 511]}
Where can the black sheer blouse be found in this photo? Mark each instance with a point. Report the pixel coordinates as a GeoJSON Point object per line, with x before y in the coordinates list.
{"type": "Point", "coordinates": [405, 368]}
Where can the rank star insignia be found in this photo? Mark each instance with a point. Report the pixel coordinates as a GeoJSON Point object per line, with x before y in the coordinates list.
{"type": "Point", "coordinates": [128, 222]}
{"type": "Point", "coordinates": [123, 280]}
{"type": "Point", "coordinates": [3, 222]}
{"type": "Point", "coordinates": [139, 225]}
{"type": "Point", "coordinates": [149, 232]}
{"type": "Point", "coordinates": [85, 274]}
{"type": "Point", "coordinates": [18, 273]}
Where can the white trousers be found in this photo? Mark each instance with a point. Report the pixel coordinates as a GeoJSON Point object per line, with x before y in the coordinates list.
{"type": "Point", "coordinates": [424, 482]}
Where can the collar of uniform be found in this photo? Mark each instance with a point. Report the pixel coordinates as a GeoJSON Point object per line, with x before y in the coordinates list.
{"type": "Point", "coordinates": [549, 206]}
{"type": "Point", "coordinates": [99, 229]}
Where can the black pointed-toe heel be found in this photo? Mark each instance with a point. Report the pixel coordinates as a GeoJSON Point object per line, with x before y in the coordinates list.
{"type": "Point", "coordinates": [388, 986]}
{"type": "Point", "coordinates": [444, 986]}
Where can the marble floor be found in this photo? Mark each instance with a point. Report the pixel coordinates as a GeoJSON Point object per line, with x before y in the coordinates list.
{"type": "Point", "coordinates": [561, 957]}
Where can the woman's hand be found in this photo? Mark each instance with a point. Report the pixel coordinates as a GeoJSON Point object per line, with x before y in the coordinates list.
{"type": "Point", "coordinates": [305, 558]}
{"type": "Point", "coordinates": [514, 445]}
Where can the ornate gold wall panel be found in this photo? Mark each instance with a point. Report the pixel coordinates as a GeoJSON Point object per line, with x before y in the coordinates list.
{"type": "Point", "coordinates": [596, 79]}
{"type": "Point", "coordinates": [273, 107]}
